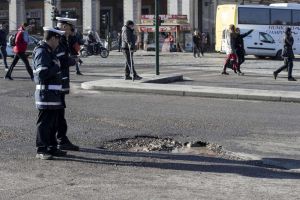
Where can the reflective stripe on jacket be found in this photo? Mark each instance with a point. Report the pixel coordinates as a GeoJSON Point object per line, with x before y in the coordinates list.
{"type": "Point", "coordinates": [47, 76]}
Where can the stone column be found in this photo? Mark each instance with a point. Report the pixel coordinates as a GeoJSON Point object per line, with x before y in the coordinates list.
{"type": "Point", "coordinates": [175, 7]}
{"type": "Point", "coordinates": [17, 14]}
{"type": "Point", "coordinates": [48, 8]}
{"type": "Point", "coordinates": [91, 15]}
{"type": "Point", "coordinates": [190, 8]}
{"type": "Point", "coordinates": [132, 10]}
{"type": "Point", "coordinates": [208, 21]}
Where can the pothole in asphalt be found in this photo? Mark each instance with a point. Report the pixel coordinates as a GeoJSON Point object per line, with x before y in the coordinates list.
{"type": "Point", "coordinates": [169, 145]}
{"type": "Point", "coordinates": [156, 144]}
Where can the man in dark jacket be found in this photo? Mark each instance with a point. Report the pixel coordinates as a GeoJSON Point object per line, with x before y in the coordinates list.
{"type": "Point", "coordinates": [48, 97]}
{"type": "Point", "coordinates": [119, 38]}
{"type": "Point", "coordinates": [240, 50]}
{"type": "Point", "coordinates": [197, 44]}
{"type": "Point", "coordinates": [63, 54]}
{"type": "Point", "coordinates": [287, 54]}
{"type": "Point", "coordinates": [22, 39]}
{"type": "Point", "coordinates": [128, 46]}
{"type": "Point", "coordinates": [3, 44]}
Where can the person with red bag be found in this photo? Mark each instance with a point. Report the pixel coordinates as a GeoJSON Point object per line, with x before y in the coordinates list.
{"type": "Point", "coordinates": [231, 59]}
{"type": "Point", "coordinates": [74, 45]}
{"type": "Point", "coordinates": [21, 42]}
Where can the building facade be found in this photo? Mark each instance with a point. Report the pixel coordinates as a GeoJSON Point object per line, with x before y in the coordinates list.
{"type": "Point", "coordinates": [90, 13]}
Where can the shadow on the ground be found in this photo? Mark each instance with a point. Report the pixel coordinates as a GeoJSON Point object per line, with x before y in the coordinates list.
{"type": "Point", "coordinates": [172, 162]}
{"type": "Point", "coordinates": [289, 163]}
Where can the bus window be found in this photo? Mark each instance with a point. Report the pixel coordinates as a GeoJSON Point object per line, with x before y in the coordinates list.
{"type": "Point", "coordinates": [296, 17]}
{"type": "Point", "coordinates": [281, 17]}
{"type": "Point", "coordinates": [266, 38]}
{"type": "Point", "coordinates": [260, 16]}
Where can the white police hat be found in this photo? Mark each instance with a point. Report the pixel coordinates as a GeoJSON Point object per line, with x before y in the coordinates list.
{"type": "Point", "coordinates": [59, 32]}
{"type": "Point", "coordinates": [66, 20]}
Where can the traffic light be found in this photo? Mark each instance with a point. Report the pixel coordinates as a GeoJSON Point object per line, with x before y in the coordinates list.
{"type": "Point", "coordinates": [104, 19]}
{"type": "Point", "coordinates": [53, 14]}
{"type": "Point", "coordinates": [159, 21]}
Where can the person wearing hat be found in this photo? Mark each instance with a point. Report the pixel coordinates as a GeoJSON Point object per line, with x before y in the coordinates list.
{"type": "Point", "coordinates": [21, 41]}
{"type": "Point", "coordinates": [287, 54]}
{"type": "Point", "coordinates": [48, 96]}
{"type": "Point", "coordinates": [128, 46]}
{"type": "Point", "coordinates": [63, 53]}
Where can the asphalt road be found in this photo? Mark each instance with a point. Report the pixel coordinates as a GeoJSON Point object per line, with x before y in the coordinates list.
{"type": "Point", "coordinates": [265, 129]}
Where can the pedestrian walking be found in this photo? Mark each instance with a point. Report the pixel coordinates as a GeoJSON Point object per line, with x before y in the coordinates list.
{"type": "Point", "coordinates": [3, 45]}
{"type": "Point", "coordinates": [231, 59]}
{"type": "Point", "coordinates": [63, 54]}
{"type": "Point", "coordinates": [287, 54]}
{"type": "Point", "coordinates": [203, 43]}
{"type": "Point", "coordinates": [21, 42]}
{"type": "Point", "coordinates": [128, 47]}
{"type": "Point", "coordinates": [48, 96]}
{"type": "Point", "coordinates": [240, 49]}
{"type": "Point", "coordinates": [119, 38]}
{"type": "Point", "coordinates": [196, 44]}
{"type": "Point", "coordinates": [74, 45]}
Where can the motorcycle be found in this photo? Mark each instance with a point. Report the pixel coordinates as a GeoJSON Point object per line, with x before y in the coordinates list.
{"type": "Point", "coordinates": [95, 48]}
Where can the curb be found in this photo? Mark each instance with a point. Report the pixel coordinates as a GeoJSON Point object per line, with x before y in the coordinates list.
{"type": "Point", "coordinates": [192, 91]}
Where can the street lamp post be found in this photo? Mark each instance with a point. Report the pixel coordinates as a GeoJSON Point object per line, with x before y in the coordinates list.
{"type": "Point", "coordinates": [157, 36]}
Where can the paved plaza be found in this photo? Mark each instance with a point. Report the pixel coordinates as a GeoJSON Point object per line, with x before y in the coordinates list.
{"type": "Point", "coordinates": [261, 137]}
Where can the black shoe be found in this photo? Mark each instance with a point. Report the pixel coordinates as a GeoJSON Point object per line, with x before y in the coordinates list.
{"type": "Point", "coordinates": [57, 152]}
{"type": "Point", "coordinates": [240, 73]}
{"type": "Point", "coordinates": [225, 73]}
{"type": "Point", "coordinates": [44, 156]}
{"type": "Point", "coordinates": [128, 78]}
{"type": "Point", "coordinates": [78, 73]}
{"type": "Point", "coordinates": [8, 78]}
{"type": "Point", "coordinates": [137, 77]}
{"type": "Point", "coordinates": [275, 75]}
{"type": "Point", "coordinates": [292, 79]}
{"type": "Point", "coordinates": [68, 146]}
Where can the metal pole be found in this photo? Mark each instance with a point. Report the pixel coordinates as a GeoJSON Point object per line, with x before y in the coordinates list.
{"type": "Point", "coordinates": [157, 36]}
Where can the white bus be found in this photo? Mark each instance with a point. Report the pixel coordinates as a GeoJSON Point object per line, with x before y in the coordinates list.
{"type": "Point", "coordinates": [269, 23]}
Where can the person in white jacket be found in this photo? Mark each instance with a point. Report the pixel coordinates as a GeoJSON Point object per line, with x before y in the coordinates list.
{"type": "Point", "coordinates": [230, 49]}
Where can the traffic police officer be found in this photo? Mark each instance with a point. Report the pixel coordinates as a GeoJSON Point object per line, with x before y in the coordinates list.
{"type": "Point", "coordinates": [63, 54]}
{"type": "Point", "coordinates": [48, 96]}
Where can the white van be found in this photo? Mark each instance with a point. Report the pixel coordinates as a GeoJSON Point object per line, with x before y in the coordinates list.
{"type": "Point", "coordinates": [259, 44]}
{"type": "Point", "coordinates": [270, 19]}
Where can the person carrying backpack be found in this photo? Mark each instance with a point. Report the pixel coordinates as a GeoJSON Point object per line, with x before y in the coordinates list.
{"type": "Point", "coordinates": [3, 46]}
{"type": "Point", "coordinates": [21, 42]}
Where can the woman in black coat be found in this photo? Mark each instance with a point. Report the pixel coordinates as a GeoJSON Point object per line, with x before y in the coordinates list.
{"type": "Point", "coordinates": [240, 50]}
